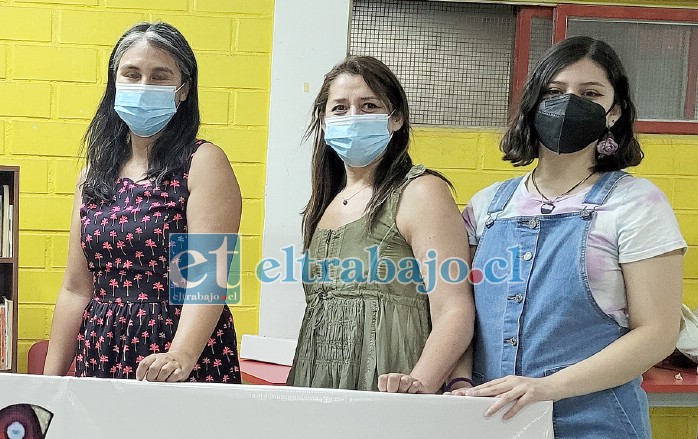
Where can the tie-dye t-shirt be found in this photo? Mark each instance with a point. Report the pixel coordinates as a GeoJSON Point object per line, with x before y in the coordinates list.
{"type": "Point", "coordinates": [635, 223]}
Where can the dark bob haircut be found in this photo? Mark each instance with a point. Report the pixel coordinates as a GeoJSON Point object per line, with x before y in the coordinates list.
{"type": "Point", "coordinates": [520, 143]}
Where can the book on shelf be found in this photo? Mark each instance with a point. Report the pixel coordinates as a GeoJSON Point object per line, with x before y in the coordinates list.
{"type": "Point", "coordinates": [3, 336]}
{"type": "Point", "coordinates": [6, 334]}
{"type": "Point", "coordinates": [9, 345]}
{"type": "Point", "coordinates": [5, 221]}
{"type": "Point", "coordinates": [2, 213]}
{"type": "Point", "coordinates": [11, 232]}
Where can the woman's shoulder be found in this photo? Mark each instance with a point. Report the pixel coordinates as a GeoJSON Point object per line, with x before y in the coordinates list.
{"type": "Point", "coordinates": [207, 156]}
{"type": "Point", "coordinates": [632, 190]}
{"type": "Point", "coordinates": [209, 163]}
{"type": "Point", "coordinates": [425, 186]}
{"type": "Point", "coordinates": [206, 149]}
{"type": "Point", "coordinates": [486, 194]}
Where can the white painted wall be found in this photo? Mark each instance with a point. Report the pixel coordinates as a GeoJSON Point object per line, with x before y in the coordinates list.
{"type": "Point", "coordinates": [310, 36]}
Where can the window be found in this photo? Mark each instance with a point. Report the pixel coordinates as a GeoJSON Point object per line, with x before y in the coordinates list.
{"type": "Point", "coordinates": [659, 49]}
{"type": "Point", "coordinates": [453, 59]}
{"type": "Point", "coordinates": [463, 64]}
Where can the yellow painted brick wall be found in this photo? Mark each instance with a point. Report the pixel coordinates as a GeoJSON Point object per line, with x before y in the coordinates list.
{"type": "Point", "coordinates": [472, 160]}
{"type": "Point", "coordinates": [53, 61]}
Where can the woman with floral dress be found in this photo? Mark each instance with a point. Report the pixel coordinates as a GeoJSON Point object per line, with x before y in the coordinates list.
{"type": "Point", "coordinates": [147, 176]}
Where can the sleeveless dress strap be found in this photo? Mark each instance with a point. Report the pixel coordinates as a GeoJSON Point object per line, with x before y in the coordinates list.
{"type": "Point", "coordinates": [197, 144]}
{"type": "Point", "coordinates": [394, 201]}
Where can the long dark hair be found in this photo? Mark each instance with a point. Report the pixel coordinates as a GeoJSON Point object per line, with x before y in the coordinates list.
{"type": "Point", "coordinates": [520, 143]}
{"type": "Point", "coordinates": [328, 173]}
{"type": "Point", "coordinates": [107, 140]}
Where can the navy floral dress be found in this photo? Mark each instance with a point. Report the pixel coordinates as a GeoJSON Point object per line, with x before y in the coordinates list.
{"type": "Point", "coordinates": [129, 317]}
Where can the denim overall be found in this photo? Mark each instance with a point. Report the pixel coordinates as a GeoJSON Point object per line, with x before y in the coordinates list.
{"type": "Point", "coordinates": [536, 314]}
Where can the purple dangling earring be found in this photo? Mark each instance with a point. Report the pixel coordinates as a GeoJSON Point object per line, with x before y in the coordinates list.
{"type": "Point", "coordinates": [608, 145]}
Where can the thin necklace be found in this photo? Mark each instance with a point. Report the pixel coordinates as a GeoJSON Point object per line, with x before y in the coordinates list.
{"type": "Point", "coordinates": [345, 201]}
{"type": "Point", "coordinates": [549, 205]}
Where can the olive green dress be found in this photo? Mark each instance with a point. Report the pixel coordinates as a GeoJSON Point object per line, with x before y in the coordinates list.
{"type": "Point", "coordinates": [352, 332]}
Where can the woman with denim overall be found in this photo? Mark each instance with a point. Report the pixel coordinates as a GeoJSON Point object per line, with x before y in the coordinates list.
{"type": "Point", "coordinates": [580, 262]}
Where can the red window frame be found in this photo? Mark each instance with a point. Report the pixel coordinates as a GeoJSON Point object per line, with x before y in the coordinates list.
{"type": "Point", "coordinates": [522, 48]}
{"type": "Point", "coordinates": [563, 12]}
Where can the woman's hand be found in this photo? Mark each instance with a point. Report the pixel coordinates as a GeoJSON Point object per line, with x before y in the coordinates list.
{"type": "Point", "coordinates": [171, 366]}
{"type": "Point", "coordinates": [518, 390]}
{"type": "Point", "coordinates": [400, 383]}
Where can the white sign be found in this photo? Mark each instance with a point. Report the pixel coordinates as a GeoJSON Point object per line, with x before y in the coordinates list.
{"type": "Point", "coordinates": [106, 409]}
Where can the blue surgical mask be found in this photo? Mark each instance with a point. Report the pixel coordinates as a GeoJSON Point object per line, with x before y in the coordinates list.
{"type": "Point", "coordinates": [358, 139]}
{"type": "Point", "coordinates": [146, 109]}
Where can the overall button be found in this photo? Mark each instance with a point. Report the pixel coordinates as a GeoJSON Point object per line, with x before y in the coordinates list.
{"type": "Point", "coordinates": [512, 341]}
{"type": "Point", "coordinates": [518, 298]}
{"type": "Point", "coordinates": [533, 223]}
{"type": "Point", "coordinates": [527, 256]}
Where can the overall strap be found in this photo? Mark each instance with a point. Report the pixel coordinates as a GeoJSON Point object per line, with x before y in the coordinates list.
{"type": "Point", "coordinates": [503, 195]}
{"type": "Point", "coordinates": [603, 187]}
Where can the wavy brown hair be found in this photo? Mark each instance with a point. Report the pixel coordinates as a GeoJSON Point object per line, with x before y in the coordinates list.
{"type": "Point", "coordinates": [328, 172]}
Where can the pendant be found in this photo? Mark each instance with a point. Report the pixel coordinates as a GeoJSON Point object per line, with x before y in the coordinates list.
{"type": "Point", "coordinates": [546, 208]}
{"type": "Point", "coordinates": [345, 202]}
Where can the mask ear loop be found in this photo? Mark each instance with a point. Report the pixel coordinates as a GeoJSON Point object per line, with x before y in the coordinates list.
{"type": "Point", "coordinates": [181, 100]}
{"type": "Point", "coordinates": [391, 132]}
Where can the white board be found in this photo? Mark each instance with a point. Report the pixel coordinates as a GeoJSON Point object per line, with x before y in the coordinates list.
{"type": "Point", "coordinates": [106, 409]}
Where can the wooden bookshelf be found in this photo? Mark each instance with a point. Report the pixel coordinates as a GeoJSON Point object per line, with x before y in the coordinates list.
{"type": "Point", "coordinates": [9, 264]}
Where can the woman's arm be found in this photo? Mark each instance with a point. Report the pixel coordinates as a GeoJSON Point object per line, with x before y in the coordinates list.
{"type": "Point", "coordinates": [429, 220]}
{"type": "Point", "coordinates": [654, 305]}
{"type": "Point", "coordinates": [464, 366]}
{"type": "Point", "coordinates": [214, 206]}
{"type": "Point", "coordinates": [76, 292]}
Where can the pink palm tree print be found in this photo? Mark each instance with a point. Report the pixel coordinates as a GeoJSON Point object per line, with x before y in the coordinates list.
{"type": "Point", "coordinates": [127, 284]}
{"type": "Point", "coordinates": [107, 246]}
{"type": "Point", "coordinates": [157, 286]}
{"type": "Point", "coordinates": [145, 220]}
{"type": "Point", "coordinates": [151, 244]}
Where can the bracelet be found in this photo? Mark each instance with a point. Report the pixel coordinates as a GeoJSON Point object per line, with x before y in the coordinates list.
{"type": "Point", "coordinates": [456, 380]}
